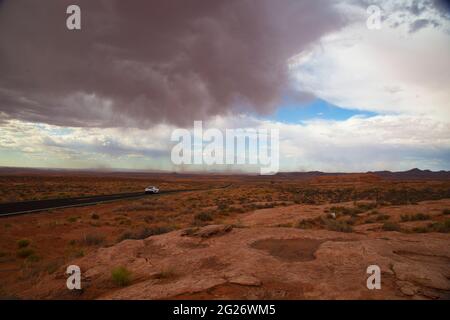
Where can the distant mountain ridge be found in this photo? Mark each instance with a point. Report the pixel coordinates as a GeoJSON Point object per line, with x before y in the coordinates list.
{"type": "Point", "coordinates": [413, 174]}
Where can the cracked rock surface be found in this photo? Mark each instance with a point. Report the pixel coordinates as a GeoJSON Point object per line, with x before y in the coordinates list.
{"type": "Point", "coordinates": [260, 262]}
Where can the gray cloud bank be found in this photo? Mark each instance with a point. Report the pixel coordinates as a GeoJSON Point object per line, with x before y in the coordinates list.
{"type": "Point", "coordinates": [137, 63]}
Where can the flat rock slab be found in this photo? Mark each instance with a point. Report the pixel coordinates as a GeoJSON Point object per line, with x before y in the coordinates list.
{"type": "Point", "coordinates": [289, 249]}
{"type": "Point", "coordinates": [263, 263]}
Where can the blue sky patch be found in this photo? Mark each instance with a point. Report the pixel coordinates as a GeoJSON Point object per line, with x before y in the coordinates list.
{"type": "Point", "coordinates": [294, 112]}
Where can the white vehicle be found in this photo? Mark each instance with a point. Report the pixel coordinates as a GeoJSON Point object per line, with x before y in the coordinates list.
{"type": "Point", "coordinates": [151, 189]}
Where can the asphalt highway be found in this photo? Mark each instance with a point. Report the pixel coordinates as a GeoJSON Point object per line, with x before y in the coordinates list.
{"type": "Point", "coordinates": [23, 207]}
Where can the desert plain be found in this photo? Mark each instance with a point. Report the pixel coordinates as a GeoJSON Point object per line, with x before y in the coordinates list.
{"type": "Point", "coordinates": [236, 237]}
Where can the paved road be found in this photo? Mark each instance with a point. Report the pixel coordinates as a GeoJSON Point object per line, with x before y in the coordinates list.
{"type": "Point", "coordinates": [15, 208]}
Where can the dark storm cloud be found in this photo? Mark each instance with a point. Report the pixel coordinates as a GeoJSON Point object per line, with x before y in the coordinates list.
{"type": "Point", "coordinates": [418, 24]}
{"type": "Point", "coordinates": [135, 63]}
{"type": "Point", "coordinates": [418, 7]}
{"type": "Point", "coordinates": [443, 6]}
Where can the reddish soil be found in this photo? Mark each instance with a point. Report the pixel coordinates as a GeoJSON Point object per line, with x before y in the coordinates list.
{"type": "Point", "coordinates": [282, 243]}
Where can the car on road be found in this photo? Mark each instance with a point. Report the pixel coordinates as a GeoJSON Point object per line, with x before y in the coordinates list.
{"type": "Point", "coordinates": [151, 189]}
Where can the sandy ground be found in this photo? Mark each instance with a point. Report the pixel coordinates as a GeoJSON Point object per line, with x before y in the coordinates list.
{"type": "Point", "coordinates": [253, 241]}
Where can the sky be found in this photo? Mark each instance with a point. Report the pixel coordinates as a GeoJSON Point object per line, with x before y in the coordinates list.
{"type": "Point", "coordinates": [343, 95]}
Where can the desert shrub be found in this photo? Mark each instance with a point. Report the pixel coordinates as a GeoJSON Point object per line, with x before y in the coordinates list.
{"type": "Point", "coordinates": [138, 207]}
{"type": "Point", "coordinates": [203, 216]}
{"type": "Point", "coordinates": [95, 216]}
{"type": "Point", "coordinates": [23, 243]}
{"type": "Point", "coordinates": [52, 267]}
{"type": "Point", "coordinates": [405, 217]}
{"type": "Point", "coordinates": [443, 226]}
{"type": "Point", "coordinates": [366, 206]}
{"type": "Point", "coordinates": [285, 225]}
{"type": "Point", "coordinates": [124, 221]}
{"type": "Point", "coordinates": [145, 233]}
{"type": "Point", "coordinates": [148, 232]}
{"type": "Point", "coordinates": [305, 224]}
{"type": "Point", "coordinates": [390, 226]}
{"type": "Point", "coordinates": [422, 216]}
{"type": "Point", "coordinates": [72, 219]}
{"type": "Point", "coordinates": [335, 225]}
{"type": "Point", "coordinates": [33, 258]}
{"type": "Point", "coordinates": [421, 229]}
{"type": "Point", "coordinates": [382, 217]}
{"type": "Point", "coordinates": [223, 206]}
{"type": "Point", "coordinates": [25, 252]}
{"type": "Point", "coordinates": [126, 235]}
{"type": "Point", "coordinates": [414, 217]}
{"type": "Point", "coordinates": [242, 200]}
{"type": "Point", "coordinates": [121, 276]}
{"type": "Point", "coordinates": [446, 211]}
{"type": "Point", "coordinates": [78, 253]}
{"type": "Point", "coordinates": [351, 221]}
{"type": "Point", "coordinates": [337, 209]}
{"type": "Point", "coordinates": [93, 239]}
{"type": "Point", "coordinates": [2, 254]}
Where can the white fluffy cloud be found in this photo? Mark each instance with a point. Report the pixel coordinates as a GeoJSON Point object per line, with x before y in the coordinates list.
{"type": "Point", "coordinates": [357, 144]}
{"type": "Point", "coordinates": [36, 144]}
{"type": "Point", "coordinates": [364, 144]}
{"type": "Point", "coordinates": [390, 71]}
